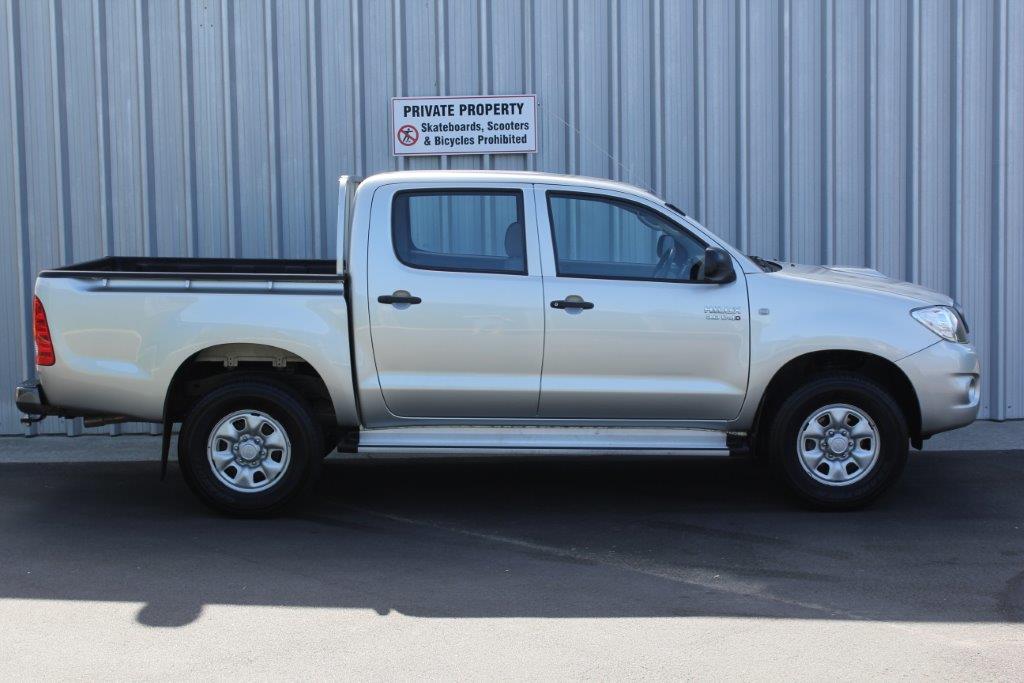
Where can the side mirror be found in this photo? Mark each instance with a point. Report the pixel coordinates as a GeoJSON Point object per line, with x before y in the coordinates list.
{"type": "Point", "coordinates": [718, 266]}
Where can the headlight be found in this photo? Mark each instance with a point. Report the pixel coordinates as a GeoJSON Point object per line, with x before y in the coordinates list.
{"type": "Point", "coordinates": [943, 321]}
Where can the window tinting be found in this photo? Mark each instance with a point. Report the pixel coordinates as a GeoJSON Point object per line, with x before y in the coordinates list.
{"type": "Point", "coordinates": [605, 238]}
{"type": "Point", "coordinates": [456, 230]}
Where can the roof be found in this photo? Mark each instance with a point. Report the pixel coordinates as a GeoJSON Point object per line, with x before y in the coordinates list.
{"type": "Point", "coordinates": [509, 177]}
{"type": "Point", "coordinates": [372, 182]}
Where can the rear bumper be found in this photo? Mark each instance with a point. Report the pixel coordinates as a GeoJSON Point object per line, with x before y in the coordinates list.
{"type": "Point", "coordinates": [30, 399]}
{"type": "Point", "coordinates": [947, 380]}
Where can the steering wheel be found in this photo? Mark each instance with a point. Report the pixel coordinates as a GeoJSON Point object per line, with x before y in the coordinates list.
{"type": "Point", "coordinates": [687, 267]}
{"type": "Point", "coordinates": [697, 270]}
{"type": "Point", "coordinates": [678, 261]}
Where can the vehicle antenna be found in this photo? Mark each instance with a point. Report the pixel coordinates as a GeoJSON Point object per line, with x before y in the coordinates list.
{"type": "Point", "coordinates": [582, 136]}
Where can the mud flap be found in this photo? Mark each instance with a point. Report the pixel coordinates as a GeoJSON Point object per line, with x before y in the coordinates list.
{"type": "Point", "coordinates": [165, 447]}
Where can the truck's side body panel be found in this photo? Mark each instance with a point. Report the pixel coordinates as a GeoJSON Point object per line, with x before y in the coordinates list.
{"type": "Point", "coordinates": [119, 342]}
{"type": "Point", "coordinates": [648, 349]}
{"type": "Point", "coordinates": [791, 317]}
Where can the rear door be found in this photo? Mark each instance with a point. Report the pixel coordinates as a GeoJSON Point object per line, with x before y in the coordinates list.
{"type": "Point", "coordinates": [632, 332]}
{"type": "Point", "coordinates": [456, 300]}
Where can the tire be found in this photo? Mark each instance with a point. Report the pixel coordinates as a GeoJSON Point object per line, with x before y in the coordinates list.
{"type": "Point", "coordinates": [250, 448]}
{"type": "Point", "coordinates": [806, 444]}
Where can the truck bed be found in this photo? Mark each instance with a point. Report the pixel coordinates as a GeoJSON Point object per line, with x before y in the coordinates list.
{"type": "Point", "coordinates": [209, 268]}
{"type": "Point", "coordinates": [122, 327]}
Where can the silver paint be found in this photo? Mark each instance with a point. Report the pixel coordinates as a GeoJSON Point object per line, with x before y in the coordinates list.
{"type": "Point", "coordinates": [488, 351]}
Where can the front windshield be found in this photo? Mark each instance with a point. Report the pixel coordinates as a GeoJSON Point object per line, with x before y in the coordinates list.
{"type": "Point", "coordinates": [764, 264]}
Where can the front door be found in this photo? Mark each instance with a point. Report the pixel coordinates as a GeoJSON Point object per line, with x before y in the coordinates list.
{"type": "Point", "coordinates": [456, 301]}
{"type": "Point", "coordinates": [632, 331]}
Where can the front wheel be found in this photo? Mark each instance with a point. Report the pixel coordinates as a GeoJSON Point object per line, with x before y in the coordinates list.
{"type": "Point", "coordinates": [839, 441]}
{"type": "Point", "coordinates": [251, 447]}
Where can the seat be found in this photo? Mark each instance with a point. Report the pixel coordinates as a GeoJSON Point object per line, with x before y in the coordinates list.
{"type": "Point", "coordinates": [514, 238]}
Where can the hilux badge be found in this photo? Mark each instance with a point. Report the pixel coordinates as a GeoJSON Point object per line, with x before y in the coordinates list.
{"type": "Point", "coordinates": [722, 313]}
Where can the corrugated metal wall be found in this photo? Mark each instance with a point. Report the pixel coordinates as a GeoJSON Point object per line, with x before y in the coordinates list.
{"type": "Point", "coordinates": [866, 132]}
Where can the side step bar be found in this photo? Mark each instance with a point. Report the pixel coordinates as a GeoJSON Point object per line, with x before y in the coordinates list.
{"type": "Point", "coordinates": [475, 441]}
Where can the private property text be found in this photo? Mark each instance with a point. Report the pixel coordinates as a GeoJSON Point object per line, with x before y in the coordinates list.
{"type": "Point", "coordinates": [464, 125]}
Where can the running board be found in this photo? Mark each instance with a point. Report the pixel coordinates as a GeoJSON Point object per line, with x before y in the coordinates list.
{"type": "Point", "coordinates": [462, 441]}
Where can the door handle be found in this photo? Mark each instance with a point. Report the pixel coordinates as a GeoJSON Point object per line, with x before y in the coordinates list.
{"type": "Point", "coordinates": [569, 303]}
{"type": "Point", "coordinates": [397, 298]}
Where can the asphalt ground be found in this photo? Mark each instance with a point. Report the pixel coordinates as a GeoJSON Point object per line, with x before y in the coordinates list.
{"type": "Point", "coordinates": [514, 569]}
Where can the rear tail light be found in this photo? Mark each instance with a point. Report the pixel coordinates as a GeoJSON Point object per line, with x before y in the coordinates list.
{"type": "Point", "coordinates": [41, 332]}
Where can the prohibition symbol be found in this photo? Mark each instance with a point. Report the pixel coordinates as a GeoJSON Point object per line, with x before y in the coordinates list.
{"type": "Point", "coordinates": [408, 135]}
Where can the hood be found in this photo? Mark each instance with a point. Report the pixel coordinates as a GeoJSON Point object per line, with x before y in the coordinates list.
{"type": "Point", "coordinates": [864, 278]}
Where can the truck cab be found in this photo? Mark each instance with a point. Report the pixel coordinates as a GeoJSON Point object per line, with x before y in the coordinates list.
{"type": "Point", "coordinates": [545, 301]}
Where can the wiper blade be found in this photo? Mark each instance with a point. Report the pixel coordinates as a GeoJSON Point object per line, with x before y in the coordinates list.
{"type": "Point", "coordinates": [764, 264]}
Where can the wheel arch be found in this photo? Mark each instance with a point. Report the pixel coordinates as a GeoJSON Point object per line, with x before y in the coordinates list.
{"type": "Point", "coordinates": [216, 365]}
{"type": "Point", "coordinates": [880, 370]}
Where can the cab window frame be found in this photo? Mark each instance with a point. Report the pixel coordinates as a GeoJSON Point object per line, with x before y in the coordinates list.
{"type": "Point", "coordinates": [593, 196]}
{"type": "Point", "coordinates": [459, 191]}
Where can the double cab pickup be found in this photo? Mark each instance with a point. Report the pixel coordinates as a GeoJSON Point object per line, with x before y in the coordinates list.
{"type": "Point", "coordinates": [484, 312]}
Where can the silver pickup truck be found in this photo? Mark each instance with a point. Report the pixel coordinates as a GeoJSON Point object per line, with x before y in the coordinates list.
{"type": "Point", "coordinates": [484, 312]}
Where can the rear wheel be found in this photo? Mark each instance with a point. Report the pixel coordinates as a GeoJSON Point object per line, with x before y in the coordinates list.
{"type": "Point", "coordinates": [839, 441]}
{"type": "Point", "coordinates": [251, 447]}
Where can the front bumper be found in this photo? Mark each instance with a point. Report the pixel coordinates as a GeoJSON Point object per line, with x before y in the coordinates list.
{"type": "Point", "coordinates": [947, 380]}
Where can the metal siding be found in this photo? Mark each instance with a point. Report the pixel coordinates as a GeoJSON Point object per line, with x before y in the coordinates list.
{"type": "Point", "coordinates": [1014, 210]}
{"type": "Point", "coordinates": [13, 353]}
{"type": "Point", "coordinates": [253, 191]}
{"type": "Point", "coordinates": [868, 133]}
{"type": "Point", "coordinates": [724, 53]}
{"type": "Point", "coordinates": [762, 127]}
{"type": "Point", "coordinates": [507, 74]}
{"type": "Point", "coordinates": [891, 140]}
{"type": "Point", "coordinates": [679, 105]}
{"type": "Point", "coordinates": [40, 208]}
{"type": "Point", "coordinates": [978, 158]}
{"type": "Point", "coordinates": [465, 70]}
{"type": "Point", "coordinates": [850, 119]}
{"type": "Point", "coordinates": [806, 146]}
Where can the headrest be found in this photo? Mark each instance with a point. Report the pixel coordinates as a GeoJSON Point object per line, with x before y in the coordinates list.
{"type": "Point", "coordinates": [514, 240]}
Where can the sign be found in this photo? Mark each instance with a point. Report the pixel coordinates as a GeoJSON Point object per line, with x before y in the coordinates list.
{"type": "Point", "coordinates": [499, 124]}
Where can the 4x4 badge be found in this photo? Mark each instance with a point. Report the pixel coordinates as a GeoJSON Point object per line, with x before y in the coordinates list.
{"type": "Point", "coordinates": [722, 313]}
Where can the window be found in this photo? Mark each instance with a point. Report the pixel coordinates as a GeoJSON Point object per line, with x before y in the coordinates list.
{"type": "Point", "coordinates": [474, 230]}
{"type": "Point", "coordinates": [606, 238]}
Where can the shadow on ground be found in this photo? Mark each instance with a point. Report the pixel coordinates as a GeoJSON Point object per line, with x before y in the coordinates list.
{"type": "Point", "coordinates": [560, 539]}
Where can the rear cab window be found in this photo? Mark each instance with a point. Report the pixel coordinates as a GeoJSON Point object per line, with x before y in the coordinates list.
{"type": "Point", "coordinates": [478, 231]}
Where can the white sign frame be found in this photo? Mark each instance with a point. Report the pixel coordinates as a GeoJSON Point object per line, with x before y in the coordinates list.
{"type": "Point", "coordinates": [417, 147]}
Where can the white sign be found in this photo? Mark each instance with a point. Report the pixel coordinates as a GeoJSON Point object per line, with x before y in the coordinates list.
{"type": "Point", "coordinates": [464, 125]}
